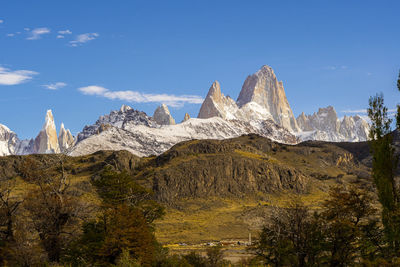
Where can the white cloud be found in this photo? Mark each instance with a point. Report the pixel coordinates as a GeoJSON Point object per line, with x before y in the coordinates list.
{"type": "Point", "coordinates": [27, 29]}
{"type": "Point", "coordinates": [364, 111]}
{"type": "Point", "coordinates": [354, 111]}
{"type": "Point", "coordinates": [10, 34]}
{"type": "Point", "coordinates": [65, 32]}
{"type": "Point", "coordinates": [37, 33]}
{"type": "Point", "coordinates": [60, 37]}
{"type": "Point", "coordinates": [93, 90]}
{"type": "Point", "coordinates": [83, 38]}
{"type": "Point", "coordinates": [55, 86]}
{"type": "Point", "coordinates": [1, 21]}
{"type": "Point", "coordinates": [138, 97]}
{"type": "Point", "coordinates": [9, 77]}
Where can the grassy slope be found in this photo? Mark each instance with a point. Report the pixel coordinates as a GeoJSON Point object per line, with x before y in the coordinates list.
{"type": "Point", "coordinates": [212, 219]}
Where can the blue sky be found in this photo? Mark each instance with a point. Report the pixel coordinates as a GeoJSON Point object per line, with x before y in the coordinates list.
{"type": "Point", "coordinates": [326, 53]}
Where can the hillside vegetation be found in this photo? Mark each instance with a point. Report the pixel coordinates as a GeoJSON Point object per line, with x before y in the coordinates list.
{"type": "Point", "coordinates": [212, 189]}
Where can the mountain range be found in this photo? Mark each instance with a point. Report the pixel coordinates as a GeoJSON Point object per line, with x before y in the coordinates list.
{"type": "Point", "coordinates": [261, 108]}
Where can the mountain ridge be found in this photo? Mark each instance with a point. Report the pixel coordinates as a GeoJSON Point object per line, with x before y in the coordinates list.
{"type": "Point", "coordinates": [261, 108]}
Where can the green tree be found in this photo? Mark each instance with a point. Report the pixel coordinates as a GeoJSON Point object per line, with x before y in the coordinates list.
{"type": "Point", "coordinates": [344, 217]}
{"type": "Point", "coordinates": [384, 164]}
{"type": "Point", "coordinates": [291, 237]}
{"type": "Point", "coordinates": [116, 188]}
{"type": "Point", "coordinates": [124, 225]}
{"type": "Point", "coordinates": [398, 106]}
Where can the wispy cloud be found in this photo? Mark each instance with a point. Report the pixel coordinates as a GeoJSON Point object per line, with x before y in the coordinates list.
{"type": "Point", "coordinates": [83, 38]}
{"type": "Point", "coordinates": [9, 77]}
{"type": "Point", "coordinates": [1, 21]}
{"type": "Point", "coordinates": [37, 33]}
{"type": "Point", "coordinates": [65, 32]}
{"type": "Point", "coordinates": [364, 111]}
{"type": "Point", "coordinates": [343, 67]}
{"type": "Point", "coordinates": [27, 29]}
{"type": "Point", "coordinates": [138, 97]}
{"type": "Point", "coordinates": [355, 111]}
{"type": "Point", "coordinates": [60, 36]}
{"type": "Point", "coordinates": [10, 34]}
{"type": "Point", "coordinates": [54, 86]}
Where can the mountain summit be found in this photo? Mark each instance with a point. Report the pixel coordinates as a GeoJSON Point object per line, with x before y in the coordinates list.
{"type": "Point", "coordinates": [261, 108]}
{"type": "Point", "coordinates": [264, 89]}
{"type": "Point", "coordinates": [162, 115]}
{"type": "Point", "coordinates": [47, 141]}
{"type": "Point", "coordinates": [217, 105]}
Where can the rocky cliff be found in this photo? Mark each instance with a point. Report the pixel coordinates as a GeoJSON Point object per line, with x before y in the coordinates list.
{"type": "Point", "coordinates": [264, 89]}
{"type": "Point", "coordinates": [46, 141]}
{"type": "Point", "coordinates": [162, 115]}
{"type": "Point", "coordinates": [325, 125]}
{"type": "Point", "coordinates": [65, 139]}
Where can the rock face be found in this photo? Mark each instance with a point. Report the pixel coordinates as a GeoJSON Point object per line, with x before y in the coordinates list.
{"type": "Point", "coordinates": [262, 98]}
{"type": "Point", "coordinates": [186, 118]}
{"type": "Point", "coordinates": [162, 116]}
{"type": "Point", "coordinates": [116, 118]}
{"type": "Point", "coordinates": [264, 89]}
{"type": "Point", "coordinates": [261, 108]}
{"type": "Point", "coordinates": [65, 139]}
{"type": "Point", "coordinates": [326, 126]}
{"type": "Point", "coordinates": [218, 105]}
{"type": "Point", "coordinates": [8, 141]}
{"type": "Point", "coordinates": [47, 141]}
{"type": "Point", "coordinates": [143, 140]}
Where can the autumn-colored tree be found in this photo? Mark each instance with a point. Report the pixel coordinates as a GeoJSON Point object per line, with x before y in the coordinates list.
{"type": "Point", "coordinates": [127, 229]}
{"type": "Point", "coordinates": [53, 209]}
{"type": "Point", "coordinates": [9, 205]}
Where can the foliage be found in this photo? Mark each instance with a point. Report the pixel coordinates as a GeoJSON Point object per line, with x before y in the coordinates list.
{"type": "Point", "coordinates": [117, 188]}
{"type": "Point", "coordinates": [215, 256]}
{"type": "Point", "coordinates": [341, 234]}
{"type": "Point", "coordinates": [384, 164]}
{"type": "Point", "coordinates": [196, 259]}
{"type": "Point", "coordinates": [291, 237]}
{"type": "Point", "coordinates": [122, 228]}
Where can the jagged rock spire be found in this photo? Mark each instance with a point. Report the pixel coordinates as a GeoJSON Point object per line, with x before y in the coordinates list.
{"type": "Point", "coordinates": [264, 89]}
{"type": "Point", "coordinates": [217, 105]}
{"type": "Point", "coordinates": [47, 141]}
{"type": "Point", "coordinates": [65, 139]}
{"type": "Point", "coordinates": [162, 115]}
{"type": "Point", "coordinates": [186, 118]}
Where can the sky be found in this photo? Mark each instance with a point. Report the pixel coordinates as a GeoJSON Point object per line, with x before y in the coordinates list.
{"type": "Point", "coordinates": [82, 59]}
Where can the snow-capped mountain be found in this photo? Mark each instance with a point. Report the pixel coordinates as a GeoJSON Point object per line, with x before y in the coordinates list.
{"type": "Point", "coordinates": [326, 126]}
{"type": "Point", "coordinates": [261, 108]}
{"type": "Point", "coordinates": [264, 89]}
{"type": "Point", "coordinates": [144, 140]}
{"type": "Point", "coordinates": [117, 118]}
{"type": "Point", "coordinates": [45, 142]}
{"type": "Point", "coordinates": [262, 98]}
{"type": "Point", "coordinates": [65, 139]}
{"type": "Point", "coordinates": [8, 141]}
